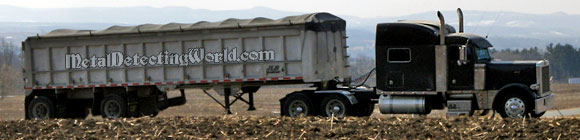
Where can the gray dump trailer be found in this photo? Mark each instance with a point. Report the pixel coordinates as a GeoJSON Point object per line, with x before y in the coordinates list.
{"type": "Point", "coordinates": [126, 71]}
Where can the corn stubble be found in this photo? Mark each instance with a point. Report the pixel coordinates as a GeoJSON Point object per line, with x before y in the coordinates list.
{"type": "Point", "coordinates": [240, 127]}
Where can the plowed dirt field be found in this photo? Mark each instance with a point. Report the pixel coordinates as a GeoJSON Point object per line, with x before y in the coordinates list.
{"type": "Point", "coordinates": [238, 127]}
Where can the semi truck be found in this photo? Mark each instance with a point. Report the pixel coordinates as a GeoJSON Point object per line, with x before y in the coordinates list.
{"type": "Point", "coordinates": [127, 71]}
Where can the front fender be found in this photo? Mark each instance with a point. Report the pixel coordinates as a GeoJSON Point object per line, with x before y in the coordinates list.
{"type": "Point", "coordinates": [514, 86]}
{"type": "Point", "coordinates": [520, 86]}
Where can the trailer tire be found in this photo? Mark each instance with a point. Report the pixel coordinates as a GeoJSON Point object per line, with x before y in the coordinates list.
{"type": "Point", "coordinates": [515, 105]}
{"type": "Point", "coordinates": [336, 104]}
{"type": "Point", "coordinates": [363, 109]}
{"type": "Point", "coordinates": [41, 107]}
{"type": "Point", "coordinates": [113, 106]}
{"type": "Point", "coordinates": [297, 105]}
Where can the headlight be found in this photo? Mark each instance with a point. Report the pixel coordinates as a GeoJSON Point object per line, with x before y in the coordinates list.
{"type": "Point", "coordinates": [534, 87]}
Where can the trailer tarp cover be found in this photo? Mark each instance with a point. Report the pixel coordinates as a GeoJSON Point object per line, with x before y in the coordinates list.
{"type": "Point", "coordinates": [228, 23]}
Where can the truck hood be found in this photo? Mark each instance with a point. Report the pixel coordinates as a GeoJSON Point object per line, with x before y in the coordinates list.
{"type": "Point", "coordinates": [501, 73]}
{"type": "Point", "coordinates": [534, 62]}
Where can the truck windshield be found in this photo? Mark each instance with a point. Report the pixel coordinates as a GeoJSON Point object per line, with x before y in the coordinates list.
{"type": "Point", "coordinates": [482, 54]}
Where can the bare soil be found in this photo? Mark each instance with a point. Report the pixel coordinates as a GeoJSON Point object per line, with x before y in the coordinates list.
{"type": "Point", "coordinates": [201, 117]}
{"type": "Point", "coordinates": [248, 127]}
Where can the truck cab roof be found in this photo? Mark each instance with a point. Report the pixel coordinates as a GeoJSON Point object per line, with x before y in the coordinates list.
{"type": "Point", "coordinates": [433, 24]}
{"type": "Point", "coordinates": [409, 33]}
{"type": "Point", "coordinates": [463, 38]}
{"type": "Point", "coordinates": [418, 32]}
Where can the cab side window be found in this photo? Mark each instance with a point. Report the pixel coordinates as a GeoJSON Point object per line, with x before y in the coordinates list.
{"type": "Point", "coordinates": [399, 55]}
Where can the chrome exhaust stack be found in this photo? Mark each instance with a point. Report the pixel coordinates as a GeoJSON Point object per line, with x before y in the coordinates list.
{"type": "Point", "coordinates": [460, 15]}
{"type": "Point", "coordinates": [441, 58]}
{"type": "Point", "coordinates": [441, 28]}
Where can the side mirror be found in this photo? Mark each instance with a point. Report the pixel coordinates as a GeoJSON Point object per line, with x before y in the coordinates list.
{"type": "Point", "coordinates": [462, 55]}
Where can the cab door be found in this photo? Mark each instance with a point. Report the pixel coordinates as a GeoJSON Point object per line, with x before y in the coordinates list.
{"type": "Point", "coordinates": [460, 74]}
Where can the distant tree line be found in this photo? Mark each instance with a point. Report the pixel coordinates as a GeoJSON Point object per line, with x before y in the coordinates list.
{"type": "Point", "coordinates": [359, 67]}
{"type": "Point", "coordinates": [564, 59]}
{"type": "Point", "coordinates": [10, 68]}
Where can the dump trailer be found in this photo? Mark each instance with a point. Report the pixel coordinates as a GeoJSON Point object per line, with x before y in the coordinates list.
{"type": "Point", "coordinates": [127, 71]}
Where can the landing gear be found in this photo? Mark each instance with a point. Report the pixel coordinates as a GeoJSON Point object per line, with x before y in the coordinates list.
{"type": "Point", "coordinates": [41, 107]}
{"type": "Point", "coordinates": [296, 105]}
{"type": "Point", "coordinates": [113, 106]}
{"type": "Point", "coordinates": [237, 97]}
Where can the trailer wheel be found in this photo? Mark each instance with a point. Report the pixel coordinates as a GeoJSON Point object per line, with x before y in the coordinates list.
{"type": "Point", "coordinates": [335, 104]}
{"type": "Point", "coordinates": [514, 106]}
{"type": "Point", "coordinates": [297, 105]}
{"type": "Point", "coordinates": [113, 106]}
{"type": "Point", "coordinates": [363, 109]}
{"type": "Point", "coordinates": [41, 107]}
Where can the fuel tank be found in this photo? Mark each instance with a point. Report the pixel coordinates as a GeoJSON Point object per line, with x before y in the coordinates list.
{"type": "Point", "coordinates": [404, 105]}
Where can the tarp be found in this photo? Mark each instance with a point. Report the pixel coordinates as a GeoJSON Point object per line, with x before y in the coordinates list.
{"type": "Point", "coordinates": [228, 23]}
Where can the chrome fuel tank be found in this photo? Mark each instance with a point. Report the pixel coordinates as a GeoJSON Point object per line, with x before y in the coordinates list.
{"type": "Point", "coordinates": [403, 105]}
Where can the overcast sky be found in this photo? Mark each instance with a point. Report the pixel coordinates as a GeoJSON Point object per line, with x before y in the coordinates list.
{"type": "Point", "coordinates": [361, 8]}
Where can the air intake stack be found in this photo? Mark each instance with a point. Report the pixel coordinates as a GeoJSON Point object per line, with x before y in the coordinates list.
{"type": "Point", "coordinates": [460, 16]}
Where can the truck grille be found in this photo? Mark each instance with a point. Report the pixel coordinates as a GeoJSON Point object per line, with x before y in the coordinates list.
{"type": "Point", "coordinates": [545, 79]}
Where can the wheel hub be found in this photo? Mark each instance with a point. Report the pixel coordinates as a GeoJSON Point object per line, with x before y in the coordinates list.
{"type": "Point", "coordinates": [112, 109]}
{"type": "Point", "coordinates": [515, 107]}
{"type": "Point", "coordinates": [335, 107]}
{"type": "Point", "coordinates": [40, 111]}
{"type": "Point", "coordinates": [298, 108]}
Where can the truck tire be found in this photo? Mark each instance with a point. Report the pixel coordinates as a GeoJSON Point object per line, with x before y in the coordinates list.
{"type": "Point", "coordinates": [41, 107]}
{"type": "Point", "coordinates": [77, 110]}
{"type": "Point", "coordinates": [336, 104]}
{"type": "Point", "coordinates": [363, 109]}
{"type": "Point", "coordinates": [515, 106]}
{"type": "Point", "coordinates": [113, 106]}
{"type": "Point", "coordinates": [297, 105]}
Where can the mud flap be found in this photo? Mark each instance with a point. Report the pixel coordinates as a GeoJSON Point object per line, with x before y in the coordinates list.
{"type": "Point", "coordinates": [27, 101]}
{"type": "Point", "coordinates": [133, 105]}
{"type": "Point", "coordinates": [61, 104]}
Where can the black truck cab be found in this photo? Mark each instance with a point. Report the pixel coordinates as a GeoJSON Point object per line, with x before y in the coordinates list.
{"type": "Point", "coordinates": [421, 67]}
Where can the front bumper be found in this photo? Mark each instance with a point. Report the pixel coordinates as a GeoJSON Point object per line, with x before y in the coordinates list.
{"type": "Point", "coordinates": [544, 103]}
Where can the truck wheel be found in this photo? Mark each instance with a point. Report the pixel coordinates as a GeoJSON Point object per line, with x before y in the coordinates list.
{"type": "Point", "coordinates": [335, 104]}
{"type": "Point", "coordinates": [297, 105]}
{"type": "Point", "coordinates": [113, 106]}
{"type": "Point", "coordinates": [514, 106]}
{"type": "Point", "coordinates": [41, 107]}
{"type": "Point", "coordinates": [363, 109]}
